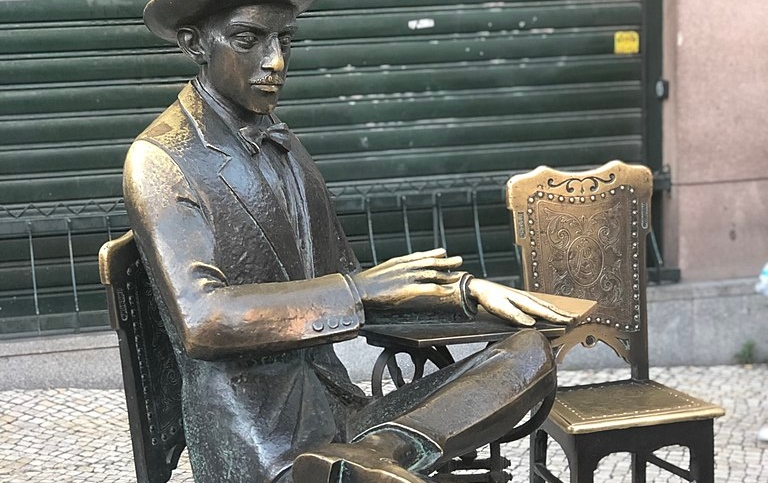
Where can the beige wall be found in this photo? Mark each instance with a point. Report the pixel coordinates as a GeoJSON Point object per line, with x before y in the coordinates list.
{"type": "Point", "coordinates": [716, 137]}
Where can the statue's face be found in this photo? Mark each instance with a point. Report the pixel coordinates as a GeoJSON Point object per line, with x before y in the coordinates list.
{"type": "Point", "coordinates": [247, 55]}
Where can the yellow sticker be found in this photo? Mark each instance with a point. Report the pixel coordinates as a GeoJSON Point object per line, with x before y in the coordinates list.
{"type": "Point", "coordinates": [626, 42]}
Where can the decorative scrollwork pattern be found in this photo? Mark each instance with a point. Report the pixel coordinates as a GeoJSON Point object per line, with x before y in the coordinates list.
{"type": "Point", "coordinates": [592, 182]}
{"type": "Point", "coordinates": [587, 247]}
{"type": "Point", "coordinates": [160, 376]}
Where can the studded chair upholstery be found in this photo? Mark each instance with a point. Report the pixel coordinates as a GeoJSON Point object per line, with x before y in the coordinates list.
{"type": "Point", "coordinates": [150, 374]}
{"type": "Point", "coordinates": [583, 235]}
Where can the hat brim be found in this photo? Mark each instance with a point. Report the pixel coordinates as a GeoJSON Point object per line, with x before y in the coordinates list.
{"type": "Point", "coordinates": [164, 17]}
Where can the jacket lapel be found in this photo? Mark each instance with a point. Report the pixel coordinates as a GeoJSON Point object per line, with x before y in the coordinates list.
{"type": "Point", "coordinates": [246, 184]}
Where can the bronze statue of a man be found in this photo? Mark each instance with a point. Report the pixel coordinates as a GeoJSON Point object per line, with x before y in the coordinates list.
{"type": "Point", "coordinates": [255, 281]}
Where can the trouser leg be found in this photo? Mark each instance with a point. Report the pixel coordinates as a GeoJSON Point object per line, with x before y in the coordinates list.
{"type": "Point", "coordinates": [472, 402]}
{"type": "Point", "coordinates": [443, 415]}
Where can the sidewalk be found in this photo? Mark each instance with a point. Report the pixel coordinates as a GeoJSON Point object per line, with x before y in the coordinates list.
{"type": "Point", "coordinates": [77, 435]}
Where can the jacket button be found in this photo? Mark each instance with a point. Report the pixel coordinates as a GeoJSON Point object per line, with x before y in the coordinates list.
{"type": "Point", "coordinates": [318, 326]}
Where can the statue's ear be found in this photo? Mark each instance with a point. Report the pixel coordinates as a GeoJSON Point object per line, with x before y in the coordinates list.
{"type": "Point", "coordinates": [190, 42]}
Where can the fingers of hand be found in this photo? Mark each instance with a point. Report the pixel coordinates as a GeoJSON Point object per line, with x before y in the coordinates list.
{"type": "Point", "coordinates": [435, 253]}
{"type": "Point", "coordinates": [438, 263]}
{"type": "Point", "coordinates": [506, 310]}
{"type": "Point", "coordinates": [437, 276]}
{"type": "Point", "coordinates": [521, 297]}
{"type": "Point", "coordinates": [536, 307]}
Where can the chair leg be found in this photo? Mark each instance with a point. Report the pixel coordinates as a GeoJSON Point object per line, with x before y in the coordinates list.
{"type": "Point", "coordinates": [538, 454]}
{"type": "Point", "coordinates": [703, 457]}
{"type": "Point", "coordinates": [582, 465]}
{"type": "Point", "coordinates": [639, 465]}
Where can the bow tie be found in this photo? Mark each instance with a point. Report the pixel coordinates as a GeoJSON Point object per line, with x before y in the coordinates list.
{"type": "Point", "coordinates": [277, 133]}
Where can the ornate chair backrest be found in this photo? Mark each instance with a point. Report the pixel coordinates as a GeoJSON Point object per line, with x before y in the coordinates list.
{"type": "Point", "coordinates": [583, 234]}
{"type": "Point", "coordinates": [150, 373]}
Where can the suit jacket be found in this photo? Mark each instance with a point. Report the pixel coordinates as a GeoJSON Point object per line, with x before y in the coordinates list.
{"type": "Point", "coordinates": [250, 321]}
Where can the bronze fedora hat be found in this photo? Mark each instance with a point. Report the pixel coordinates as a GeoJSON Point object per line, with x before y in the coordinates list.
{"type": "Point", "coordinates": [164, 17]}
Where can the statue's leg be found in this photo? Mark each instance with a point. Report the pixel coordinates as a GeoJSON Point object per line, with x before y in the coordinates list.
{"type": "Point", "coordinates": [447, 413]}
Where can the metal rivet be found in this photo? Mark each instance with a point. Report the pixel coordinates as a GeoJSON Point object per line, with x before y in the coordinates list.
{"type": "Point", "coordinates": [533, 253]}
{"type": "Point", "coordinates": [333, 324]}
{"type": "Point", "coordinates": [602, 195]}
{"type": "Point", "coordinates": [613, 192]}
{"type": "Point", "coordinates": [317, 326]}
{"type": "Point", "coordinates": [571, 199]}
{"type": "Point", "coordinates": [561, 198]}
{"type": "Point", "coordinates": [540, 194]}
{"type": "Point", "coordinates": [530, 200]}
{"type": "Point", "coordinates": [550, 196]}
{"type": "Point", "coordinates": [533, 243]}
{"type": "Point", "coordinates": [593, 197]}
{"type": "Point", "coordinates": [530, 211]}
{"type": "Point", "coordinates": [582, 199]}
{"type": "Point", "coordinates": [536, 285]}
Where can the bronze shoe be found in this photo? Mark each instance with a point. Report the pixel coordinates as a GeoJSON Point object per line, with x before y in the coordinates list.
{"type": "Point", "coordinates": [350, 463]}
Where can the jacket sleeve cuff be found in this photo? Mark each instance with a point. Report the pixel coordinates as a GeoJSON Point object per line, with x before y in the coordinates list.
{"type": "Point", "coordinates": [358, 301]}
{"type": "Point", "coordinates": [468, 304]}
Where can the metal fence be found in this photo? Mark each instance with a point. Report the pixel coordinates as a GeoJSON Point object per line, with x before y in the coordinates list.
{"type": "Point", "coordinates": [49, 281]}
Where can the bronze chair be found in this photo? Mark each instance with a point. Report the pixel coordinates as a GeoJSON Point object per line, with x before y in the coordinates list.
{"type": "Point", "coordinates": [150, 374]}
{"type": "Point", "coordinates": [583, 235]}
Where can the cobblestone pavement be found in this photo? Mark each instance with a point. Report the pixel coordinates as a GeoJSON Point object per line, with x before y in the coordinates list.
{"type": "Point", "coordinates": [75, 435]}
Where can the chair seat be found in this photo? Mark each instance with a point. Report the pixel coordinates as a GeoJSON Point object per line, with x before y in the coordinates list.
{"type": "Point", "coordinates": [625, 404]}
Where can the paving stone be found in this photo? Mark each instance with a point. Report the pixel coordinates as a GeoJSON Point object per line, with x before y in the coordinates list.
{"type": "Point", "coordinates": [79, 435]}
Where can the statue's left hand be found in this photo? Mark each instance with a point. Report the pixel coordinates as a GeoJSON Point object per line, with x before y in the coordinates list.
{"type": "Point", "coordinates": [515, 305]}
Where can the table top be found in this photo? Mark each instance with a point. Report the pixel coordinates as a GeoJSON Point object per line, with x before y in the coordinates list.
{"type": "Point", "coordinates": [484, 328]}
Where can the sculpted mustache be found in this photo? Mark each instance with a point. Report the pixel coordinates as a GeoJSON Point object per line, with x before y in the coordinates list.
{"type": "Point", "coordinates": [270, 80]}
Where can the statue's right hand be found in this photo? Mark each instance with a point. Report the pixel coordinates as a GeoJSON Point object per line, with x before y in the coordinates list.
{"type": "Point", "coordinates": [415, 278]}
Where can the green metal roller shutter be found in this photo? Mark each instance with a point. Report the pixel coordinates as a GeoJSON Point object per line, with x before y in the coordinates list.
{"type": "Point", "coordinates": [424, 98]}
